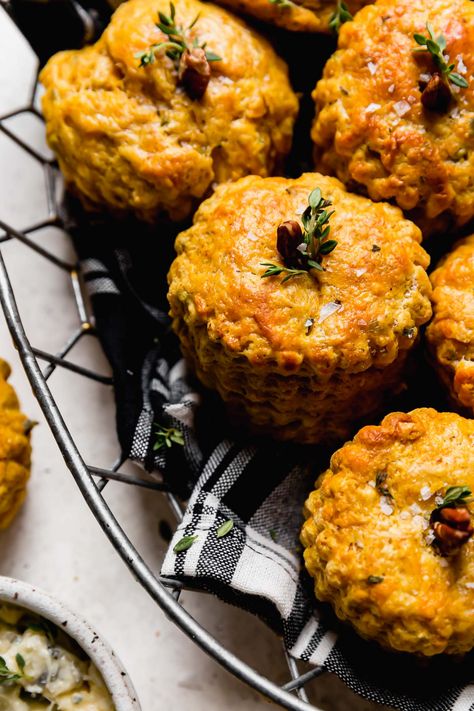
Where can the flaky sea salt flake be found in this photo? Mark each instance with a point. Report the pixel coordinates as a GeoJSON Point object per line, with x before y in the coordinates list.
{"type": "Point", "coordinates": [385, 506]}
{"type": "Point", "coordinates": [402, 107]}
{"type": "Point", "coordinates": [372, 107]}
{"type": "Point", "coordinates": [425, 493]}
{"type": "Point", "coordinates": [328, 310]}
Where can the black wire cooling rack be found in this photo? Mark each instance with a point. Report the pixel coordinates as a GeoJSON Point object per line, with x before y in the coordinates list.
{"type": "Point", "coordinates": [90, 479]}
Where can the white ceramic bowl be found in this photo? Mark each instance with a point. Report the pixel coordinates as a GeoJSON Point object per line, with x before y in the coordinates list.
{"type": "Point", "coordinates": [115, 677]}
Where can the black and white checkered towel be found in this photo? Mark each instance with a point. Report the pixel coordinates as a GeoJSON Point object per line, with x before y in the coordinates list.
{"type": "Point", "coordinates": [260, 486]}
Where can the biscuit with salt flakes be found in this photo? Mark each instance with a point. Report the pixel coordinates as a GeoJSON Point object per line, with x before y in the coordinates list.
{"type": "Point", "coordinates": [450, 335]}
{"type": "Point", "coordinates": [300, 360]}
{"type": "Point", "coordinates": [131, 140]}
{"type": "Point", "coordinates": [372, 130]}
{"type": "Point", "coordinates": [368, 539]}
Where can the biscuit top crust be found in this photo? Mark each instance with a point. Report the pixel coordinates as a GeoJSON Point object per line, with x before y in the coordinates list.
{"type": "Point", "coordinates": [372, 127]}
{"type": "Point", "coordinates": [365, 306]}
{"type": "Point", "coordinates": [352, 532]}
{"type": "Point", "coordinates": [451, 332]}
{"type": "Point", "coordinates": [299, 16]}
{"type": "Point", "coordinates": [131, 136]}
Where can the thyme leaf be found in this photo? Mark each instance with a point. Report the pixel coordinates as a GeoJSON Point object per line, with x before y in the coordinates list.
{"type": "Point", "coordinates": [166, 437]}
{"type": "Point", "coordinates": [456, 496]}
{"type": "Point", "coordinates": [375, 579]}
{"type": "Point", "coordinates": [311, 242]}
{"type": "Point", "coordinates": [226, 528]}
{"type": "Point", "coordinates": [380, 479]}
{"type": "Point", "coordinates": [340, 15]}
{"type": "Point", "coordinates": [6, 675]}
{"type": "Point", "coordinates": [184, 543]}
{"type": "Point", "coordinates": [275, 270]}
{"type": "Point", "coordinates": [176, 43]}
{"type": "Point", "coordinates": [436, 47]}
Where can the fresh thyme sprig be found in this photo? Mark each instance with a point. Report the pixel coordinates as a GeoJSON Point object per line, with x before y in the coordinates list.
{"type": "Point", "coordinates": [6, 674]}
{"type": "Point", "coordinates": [340, 15]}
{"type": "Point", "coordinates": [275, 270]}
{"type": "Point", "coordinates": [176, 43]}
{"type": "Point", "coordinates": [166, 437]}
{"type": "Point", "coordinates": [456, 496]}
{"type": "Point", "coordinates": [436, 47]}
{"type": "Point", "coordinates": [303, 249]}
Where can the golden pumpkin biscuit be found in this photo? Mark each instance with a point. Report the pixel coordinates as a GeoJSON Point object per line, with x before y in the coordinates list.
{"type": "Point", "coordinates": [450, 334]}
{"type": "Point", "coordinates": [300, 360]}
{"type": "Point", "coordinates": [312, 16]}
{"type": "Point", "coordinates": [369, 543]}
{"type": "Point", "coordinates": [15, 450]}
{"type": "Point", "coordinates": [130, 138]}
{"type": "Point", "coordinates": [372, 128]}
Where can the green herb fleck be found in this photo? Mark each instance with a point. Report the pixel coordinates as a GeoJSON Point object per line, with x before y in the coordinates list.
{"type": "Point", "coordinates": [21, 662]}
{"type": "Point", "coordinates": [436, 47]}
{"type": "Point", "coordinates": [456, 496]}
{"type": "Point", "coordinates": [225, 528]}
{"type": "Point", "coordinates": [275, 270]}
{"type": "Point", "coordinates": [176, 43]}
{"type": "Point", "coordinates": [314, 243]}
{"type": "Point", "coordinates": [185, 543]}
{"type": "Point", "coordinates": [273, 535]}
{"type": "Point", "coordinates": [6, 675]}
{"type": "Point", "coordinates": [375, 579]}
{"type": "Point", "coordinates": [380, 479]}
{"type": "Point", "coordinates": [166, 437]}
{"type": "Point", "coordinates": [340, 15]}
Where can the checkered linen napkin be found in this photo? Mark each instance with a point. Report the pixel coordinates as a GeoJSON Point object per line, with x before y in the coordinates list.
{"type": "Point", "coordinates": [260, 486]}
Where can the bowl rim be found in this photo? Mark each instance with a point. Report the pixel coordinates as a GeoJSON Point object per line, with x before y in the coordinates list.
{"type": "Point", "coordinates": [36, 600]}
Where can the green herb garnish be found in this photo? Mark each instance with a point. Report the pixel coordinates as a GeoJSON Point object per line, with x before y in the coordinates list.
{"type": "Point", "coordinates": [225, 529]}
{"type": "Point", "coordinates": [436, 47]}
{"type": "Point", "coordinates": [166, 437]}
{"type": "Point", "coordinates": [340, 15]}
{"type": "Point", "coordinates": [275, 270]}
{"type": "Point", "coordinates": [314, 243]}
{"type": "Point", "coordinates": [456, 496]}
{"type": "Point", "coordinates": [176, 43]}
{"type": "Point", "coordinates": [185, 543]}
{"type": "Point", "coordinates": [6, 675]}
{"type": "Point", "coordinates": [380, 479]}
{"type": "Point", "coordinates": [21, 662]}
{"type": "Point", "coordinates": [375, 579]}
{"type": "Point", "coordinates": [273, 535]}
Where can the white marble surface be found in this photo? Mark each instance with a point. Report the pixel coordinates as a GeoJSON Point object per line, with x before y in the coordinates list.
{"type": "Point", "coordinates": [56, 543]}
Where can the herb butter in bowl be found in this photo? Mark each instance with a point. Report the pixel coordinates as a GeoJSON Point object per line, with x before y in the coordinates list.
{"type": "Point", "coordinates": [51, 660]}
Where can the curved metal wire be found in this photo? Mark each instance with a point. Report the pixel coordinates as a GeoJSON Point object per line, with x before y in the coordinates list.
{"type": "Point", "coordinates": [91, 480]}
{"type": "Point", "coordinates": [111, 527]}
